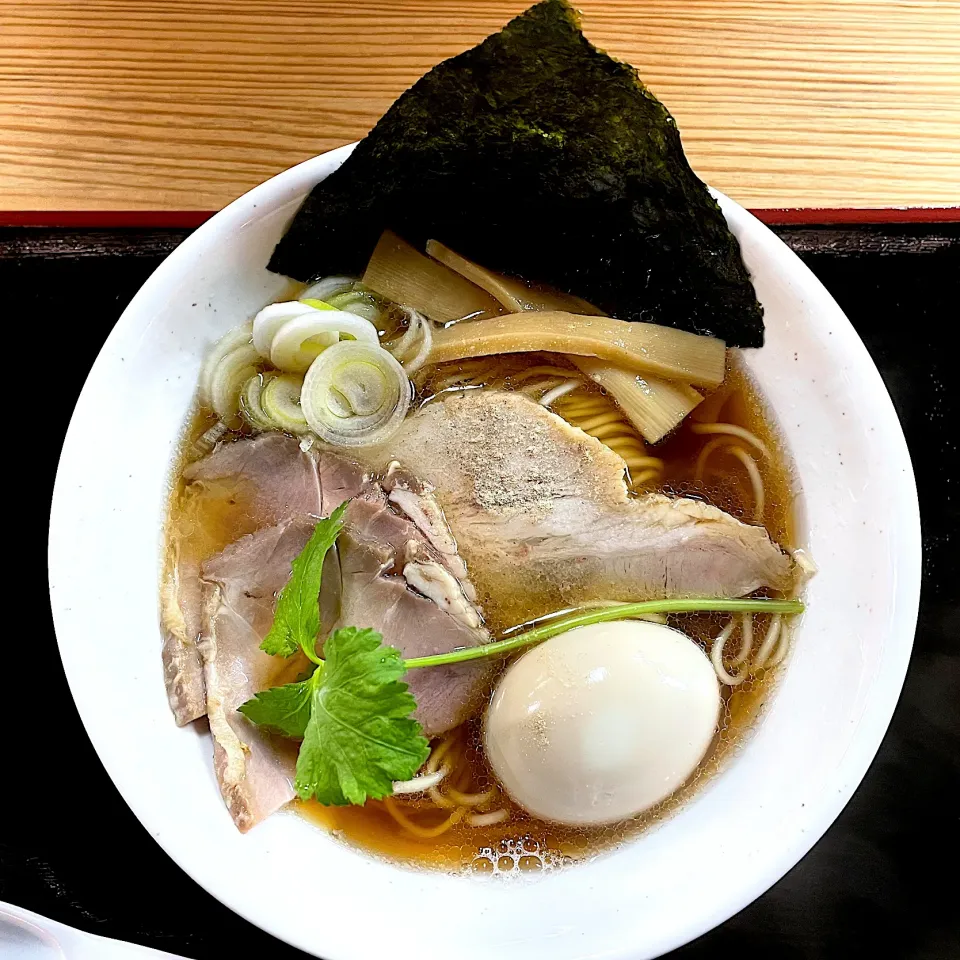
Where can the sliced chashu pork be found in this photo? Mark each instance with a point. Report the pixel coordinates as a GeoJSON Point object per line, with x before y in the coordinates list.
{"type": "Point", "coordinates": [394, 579]}
{"type": "Point", "coordinates": [541, 508]}
{"type": "Point", "coordinates": [254, 769]}
{"type": "Point", "coordinates": [255, 484]}
{"type": "Point", "coordinates": [388, 574]}
{"type": "Point", "coordinates": [181, 599]}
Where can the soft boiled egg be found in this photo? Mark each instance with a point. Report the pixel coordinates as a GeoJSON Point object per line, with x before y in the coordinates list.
{"type": "Point", "coordinates": [602, 722]}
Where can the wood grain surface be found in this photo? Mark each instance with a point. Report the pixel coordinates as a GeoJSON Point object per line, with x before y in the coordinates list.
{"type": "Point", "coordinates": [181, 105]}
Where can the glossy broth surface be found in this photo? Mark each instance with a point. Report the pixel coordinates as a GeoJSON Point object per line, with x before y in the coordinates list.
{"type": "Point", "coordinates": [522, 842]}
{"type": "Point", "coordinates": [203, 522]}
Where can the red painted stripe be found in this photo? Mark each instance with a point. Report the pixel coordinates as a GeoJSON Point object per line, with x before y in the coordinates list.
{"type": "Point", "coordinates": [105, 219]}
{"type": "Point", "coordinates": [852, 215]}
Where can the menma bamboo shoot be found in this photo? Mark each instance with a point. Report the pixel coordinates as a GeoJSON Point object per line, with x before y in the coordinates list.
{"type": "Point", "coordinates": [643, 348]}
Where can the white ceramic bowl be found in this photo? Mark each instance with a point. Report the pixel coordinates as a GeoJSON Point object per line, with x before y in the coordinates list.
{"type": "Point", "coordinates": [724, 848]}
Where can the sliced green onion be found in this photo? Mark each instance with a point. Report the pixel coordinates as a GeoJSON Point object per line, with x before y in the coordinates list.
{"type": "Point", "coordinates": [366, 311]}
{"type": "Point", "coordinates": [340, 300]}
{"type": "Point", "coordinates": [280, 401]}
{"type": "Point", "coordinates": [329, 287]}
{"type": "Point", "coordinates": [317, 304]}
{"type": "Point", "coordinates": [230, 341]}
{"type": "Point", "coordinates": [355, 394]}
{"type": "Point", "coordinates": [419, 333]}
{"type": "Point", "coordinates": [271, 318]}
{"type": "Point", "coordinates": [358, 301]}
{"type": "Point", "coordinates": [251, 405]}
{"type": "Point", "coordinates": [231, 373]}
{"type": "Point", "coordinates": [344, 293]}
{"type": "Point", "coordinates": [301, 340]}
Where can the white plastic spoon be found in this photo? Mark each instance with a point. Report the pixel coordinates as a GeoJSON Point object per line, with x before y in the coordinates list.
{"type": "Point", "coordinates": [28, 936]}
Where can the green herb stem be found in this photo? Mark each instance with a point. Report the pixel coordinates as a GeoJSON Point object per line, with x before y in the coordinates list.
{"type": "Point", "coordinates": [588, 615]}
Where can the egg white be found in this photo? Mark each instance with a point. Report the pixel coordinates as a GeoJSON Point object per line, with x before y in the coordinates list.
{"type": "Point", "coordinates": [602, 722]}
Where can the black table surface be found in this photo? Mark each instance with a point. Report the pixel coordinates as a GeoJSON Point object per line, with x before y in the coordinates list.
{"type": "Point", "coordinates": [881, 883]}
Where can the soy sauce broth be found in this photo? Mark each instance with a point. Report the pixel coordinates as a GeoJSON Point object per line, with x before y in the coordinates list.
{"type": "Point", "coordinates": [525, 843]}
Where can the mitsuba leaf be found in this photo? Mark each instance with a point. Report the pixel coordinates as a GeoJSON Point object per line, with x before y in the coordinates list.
{"type": "Point", "coordinates": [360, 736]}
{"type": "Point", "coordinates": [538, 155]}
{"type": "Point", "coordinates": [285, 709]}
{"type": "Point", "coordinates": [296, 621]}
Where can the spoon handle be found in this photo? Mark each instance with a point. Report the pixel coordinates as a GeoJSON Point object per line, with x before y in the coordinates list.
{"type": "Point", "coordinates": [25, 935]}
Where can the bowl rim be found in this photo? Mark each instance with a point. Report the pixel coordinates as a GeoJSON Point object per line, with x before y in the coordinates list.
{"type": "Point", "coordinates": [886, 686]}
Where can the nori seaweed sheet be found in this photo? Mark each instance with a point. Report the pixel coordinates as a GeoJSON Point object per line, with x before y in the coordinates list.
{"type": "Point", "coordinates": [538, 155]}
